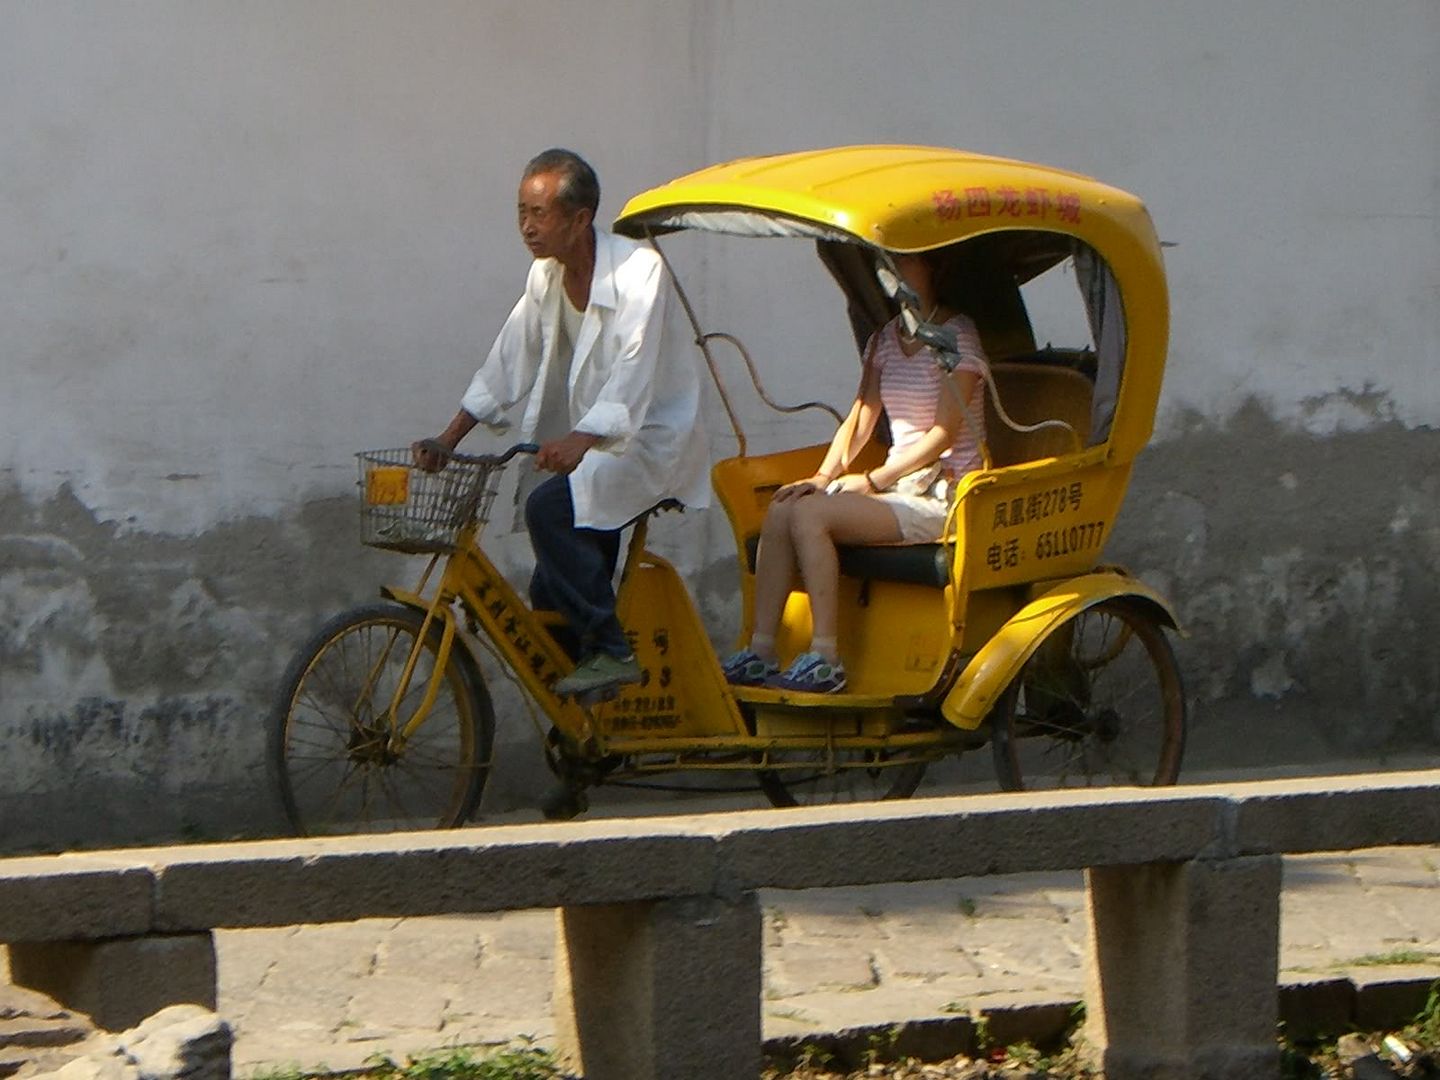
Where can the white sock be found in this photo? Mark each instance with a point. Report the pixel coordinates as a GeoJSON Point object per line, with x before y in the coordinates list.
{"type": "Point", "coordinates": [763, 646]}
{"type": "Point", "coordinates": [826, 647]}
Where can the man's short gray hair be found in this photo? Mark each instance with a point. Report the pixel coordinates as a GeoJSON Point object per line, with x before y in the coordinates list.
{"type": "Point", "coordinates": [579, 187]}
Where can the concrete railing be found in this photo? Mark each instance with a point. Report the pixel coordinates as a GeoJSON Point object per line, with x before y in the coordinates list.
{"type": "Point", "coordinates": [659, 949]}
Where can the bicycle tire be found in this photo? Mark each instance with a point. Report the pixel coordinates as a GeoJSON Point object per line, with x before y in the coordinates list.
{"type": "Point", "coordinates": [1100, 703]}
{"type": "Point", "coordinates": [333, 766]}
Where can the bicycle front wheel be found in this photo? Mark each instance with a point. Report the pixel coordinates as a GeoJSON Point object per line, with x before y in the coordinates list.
{"type": "Point", "coordinates": [337, 762]}
{"type": "Point", "coordinates": [1099, 703]}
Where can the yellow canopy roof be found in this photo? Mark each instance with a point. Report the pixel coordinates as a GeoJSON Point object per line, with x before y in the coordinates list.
{"type": "Point", "coordinates": [903, 198]}
{"type": "Point", "coordinates": [914, 198]}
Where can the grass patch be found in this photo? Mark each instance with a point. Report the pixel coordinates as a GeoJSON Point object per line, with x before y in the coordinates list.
{"type": "Point", "coordinates": [522, 1060]}
{"type": "Point", "coordinates": [1392, 958]}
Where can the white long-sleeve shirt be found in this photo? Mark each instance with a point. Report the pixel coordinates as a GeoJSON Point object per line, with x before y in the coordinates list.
{"type": "Point", "coordinates": [631, 383]}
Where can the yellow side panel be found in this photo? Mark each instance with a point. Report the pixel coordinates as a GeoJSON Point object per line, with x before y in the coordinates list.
{"type": "Point", "coordinates": [1034, 523]}
{"type": "Point", "coordinates": [682, 691]}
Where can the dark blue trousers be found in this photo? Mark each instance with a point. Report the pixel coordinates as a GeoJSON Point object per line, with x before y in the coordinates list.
{"type": "Point", "coordinates": [574, 569]}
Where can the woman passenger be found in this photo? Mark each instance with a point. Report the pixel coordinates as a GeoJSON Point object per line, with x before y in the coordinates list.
{"type": "Point", "coordinates": [935, 441]}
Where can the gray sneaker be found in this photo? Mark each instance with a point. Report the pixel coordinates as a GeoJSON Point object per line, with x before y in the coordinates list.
{"type": "Point", "coordinates": [599, 671]}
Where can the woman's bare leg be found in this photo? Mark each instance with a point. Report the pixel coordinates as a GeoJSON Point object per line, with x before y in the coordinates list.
{"type": "Point", "coordinates": [819, 523]}
{"type": "Point", "coordinates": [774, 575]}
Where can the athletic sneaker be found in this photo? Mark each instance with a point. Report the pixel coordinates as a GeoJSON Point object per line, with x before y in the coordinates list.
{"type": "Point", "coordinates": [599, 671]}
{"type": "Point", "coordinates": [812, 673]}
{"type": "Point", "coordinates": [746, 668]}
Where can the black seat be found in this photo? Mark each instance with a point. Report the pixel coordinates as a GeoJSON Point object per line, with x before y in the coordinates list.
{"type": "Point", "coordinates": [908, 564]}
{"type": "Point", "coordinates": [660, 507]}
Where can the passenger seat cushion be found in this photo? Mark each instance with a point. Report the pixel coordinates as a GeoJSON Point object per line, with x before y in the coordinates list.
{"type": "Point", "coordinates": [910, 564]}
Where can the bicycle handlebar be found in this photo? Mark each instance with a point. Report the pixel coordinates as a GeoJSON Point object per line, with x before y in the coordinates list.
{"type": "Point", "coordinates": [493, 460]}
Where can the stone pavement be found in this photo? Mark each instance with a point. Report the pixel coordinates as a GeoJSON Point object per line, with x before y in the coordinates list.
{"type": "Point", "coordinates": [335, 995]}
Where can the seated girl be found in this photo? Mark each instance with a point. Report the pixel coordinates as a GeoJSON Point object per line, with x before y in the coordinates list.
{"type": "Point", "coordinates": [935, 441]}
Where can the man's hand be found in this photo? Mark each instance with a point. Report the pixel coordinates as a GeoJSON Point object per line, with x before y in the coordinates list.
{"type": "Point", "coordinates": [562, 455]}
{"type": "Point", "coordinates": [426, 452]}
{"type": "Point", "coordinates": [430, 454]}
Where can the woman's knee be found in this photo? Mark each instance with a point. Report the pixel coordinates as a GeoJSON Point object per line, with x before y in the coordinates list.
{"type": "Point", "coordinates": [777, 519]}
{"type": "Point", "coordinates": [810, 521]}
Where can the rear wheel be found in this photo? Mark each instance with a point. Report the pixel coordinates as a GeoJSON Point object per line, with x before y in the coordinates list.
{"type": "Point", "coordinates": [337, 765]}
{"type": "Point", "coordinates": [1100, 703]}
{"type": "Point", "coordinates": [821, 778]}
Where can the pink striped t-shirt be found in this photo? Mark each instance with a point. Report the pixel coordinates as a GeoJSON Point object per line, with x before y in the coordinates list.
{"type": "Point", "coordinates": [910, 390]}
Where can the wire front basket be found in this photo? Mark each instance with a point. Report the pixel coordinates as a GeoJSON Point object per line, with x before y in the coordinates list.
{"type": "Point", "coordinates": [404, 508]}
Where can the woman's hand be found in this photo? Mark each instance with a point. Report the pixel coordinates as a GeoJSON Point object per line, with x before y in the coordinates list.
{"type": "Point", "coordinates": [800, 488]}
{"type": "Point", "coordinates": [853, 484]}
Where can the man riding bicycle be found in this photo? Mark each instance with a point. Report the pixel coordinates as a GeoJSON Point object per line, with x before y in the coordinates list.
{"type": "Point", "coordinates": [612, 399]}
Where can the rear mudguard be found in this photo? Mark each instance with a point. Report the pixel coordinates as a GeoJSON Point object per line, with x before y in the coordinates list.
{"type": "Point", "coordinates": [1000, 659]}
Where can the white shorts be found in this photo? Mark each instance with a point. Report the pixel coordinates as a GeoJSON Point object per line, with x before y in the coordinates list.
{"type": "Point", "coordinates": [921, 517]}
{"type": "Point", "coordinates": [920, 503]}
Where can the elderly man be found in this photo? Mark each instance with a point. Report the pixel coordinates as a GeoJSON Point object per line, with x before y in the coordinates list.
{"type": "Point", "coordinates": [614, 406]}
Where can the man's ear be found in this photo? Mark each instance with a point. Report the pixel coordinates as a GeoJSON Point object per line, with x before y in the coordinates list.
{"type": "Point", "coordinates": [584, 217]}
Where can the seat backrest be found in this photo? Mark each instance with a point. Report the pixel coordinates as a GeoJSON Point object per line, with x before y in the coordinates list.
{"type": "Point", "coordinates": [744, 485]}
{"type": "Point", "coordinates": [1030, 393]}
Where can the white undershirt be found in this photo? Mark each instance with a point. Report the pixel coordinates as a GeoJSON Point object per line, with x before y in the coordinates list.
{"type": "Point", "coordinates": [555, 420]}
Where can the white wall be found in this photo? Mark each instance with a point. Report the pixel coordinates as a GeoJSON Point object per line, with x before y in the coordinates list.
{"type": "Point", "coordinates": [239, 241]}
{"type": "Point", "coordinates": [243, 239]}
{"type": "Point", "coordinates": [237, 237]}
{"type": "Point", "coordinates": [1290, 150]}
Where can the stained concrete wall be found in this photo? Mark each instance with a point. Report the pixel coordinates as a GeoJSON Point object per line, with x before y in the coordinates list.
{"type": "Point", "coordinates": [240, 241]}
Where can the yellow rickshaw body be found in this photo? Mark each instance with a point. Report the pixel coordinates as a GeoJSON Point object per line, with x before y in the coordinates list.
{"type": "Point", "coordinates": [984, 634]}
{"type": "Point", "coordinates": [1039, 515]}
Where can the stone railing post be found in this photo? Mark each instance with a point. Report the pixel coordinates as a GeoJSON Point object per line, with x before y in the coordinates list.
{"type": "Point", "coordinates": [118, 982]}
{"type": "Point", "coordinates": [660, 990]}
{"type": "Point", "coordinates": [1184, 966]}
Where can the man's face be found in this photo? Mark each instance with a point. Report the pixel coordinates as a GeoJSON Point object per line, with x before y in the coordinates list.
{"type": "Point", "coordinates": [548, 227]}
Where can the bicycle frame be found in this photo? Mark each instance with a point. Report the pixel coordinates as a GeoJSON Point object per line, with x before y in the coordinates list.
{"type": "Point", "coordinates": [682, 712]}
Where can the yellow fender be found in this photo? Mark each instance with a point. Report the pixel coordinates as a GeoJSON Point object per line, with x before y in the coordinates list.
{"type": "Point", "coordinates": [404, 596]}
{"type": "Point", "coordinates": [1000, 659]}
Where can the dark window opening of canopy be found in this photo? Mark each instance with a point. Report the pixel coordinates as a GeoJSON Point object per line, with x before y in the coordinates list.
{"type": "Point", "coordinates": [1015, 284]}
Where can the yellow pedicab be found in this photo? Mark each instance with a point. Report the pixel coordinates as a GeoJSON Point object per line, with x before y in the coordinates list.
{"type": "Point", "coordinates": [1010, 632]}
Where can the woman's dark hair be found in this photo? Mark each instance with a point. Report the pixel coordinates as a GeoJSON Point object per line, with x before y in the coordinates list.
{"type": "Point", "coordinates": [579, 187]}
{"type": "Point", "coordinates": [951, 279]}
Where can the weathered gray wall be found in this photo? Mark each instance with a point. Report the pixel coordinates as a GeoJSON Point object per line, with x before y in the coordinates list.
{"type": "Point", "coordinates": [240, 241]}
